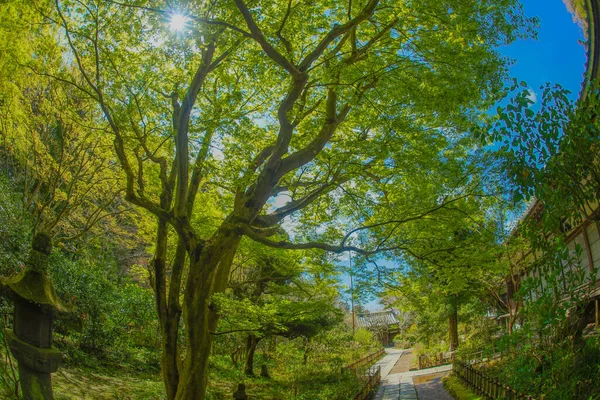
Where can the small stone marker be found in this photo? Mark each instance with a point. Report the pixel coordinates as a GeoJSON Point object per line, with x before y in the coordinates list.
{"type": "Point", "coordinates": [264, 371]}
{"type": "Point", "coordinates": [241, 393]}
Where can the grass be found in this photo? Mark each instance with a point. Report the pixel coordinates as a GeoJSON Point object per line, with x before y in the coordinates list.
{"type": "Point", "coordinates": [83, 377]}
{"type": "Point", "coordinates": [457, 389]}
{"type": "Point", "coordinates": [104, 384]}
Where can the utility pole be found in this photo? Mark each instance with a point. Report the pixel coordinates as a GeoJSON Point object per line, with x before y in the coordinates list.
{"type": "Point", "coordinates": [351, 291]}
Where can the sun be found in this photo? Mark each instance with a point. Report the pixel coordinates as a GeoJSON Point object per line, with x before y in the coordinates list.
{"type": "Point", "coordinates": [178, 22]}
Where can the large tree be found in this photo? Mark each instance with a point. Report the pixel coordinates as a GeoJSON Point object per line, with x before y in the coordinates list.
{"type": "Point", "coordinates": [327, 104]}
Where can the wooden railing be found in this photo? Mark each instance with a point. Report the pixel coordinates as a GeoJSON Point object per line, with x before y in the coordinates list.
{"type": "Point", "coordinates": [484, 385]}
{"type": "Point", "coordinates": [370, 376]}
{"type": "Point", "coordinates": [428, 361]}
{"type": "Point", "coordinates": [371, 382]}
{"type": "Point", "coordinates": [366, 360]}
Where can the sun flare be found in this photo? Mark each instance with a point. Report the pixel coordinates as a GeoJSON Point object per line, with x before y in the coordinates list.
{"type": "Point", "coordinates": [178, 22]}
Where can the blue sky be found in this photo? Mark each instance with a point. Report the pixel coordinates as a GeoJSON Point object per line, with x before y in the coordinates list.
{"type": "Point", "coordinates": [556, 56]}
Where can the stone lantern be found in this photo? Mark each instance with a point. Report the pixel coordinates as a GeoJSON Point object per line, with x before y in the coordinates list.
{"type": "Point", "coordinates": [36, 303]}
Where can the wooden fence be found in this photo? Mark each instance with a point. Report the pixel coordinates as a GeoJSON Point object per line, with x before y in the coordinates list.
{"type": "Point", "coordinates": [371, 382]}
{"type": "Point", "coordinates": [365, 361]}
{"type": "Point", "coordinates": [428, 361]}
{"type": "Point", "coordinates": [484, 385]}
{"type": "Point", "coordinates": [370, 376]}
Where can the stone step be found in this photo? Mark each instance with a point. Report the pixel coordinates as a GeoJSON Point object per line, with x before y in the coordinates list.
{"type": "Point", "coordinates": [391, 392]}
{"type": "Point", "coordinates": [407, 389]}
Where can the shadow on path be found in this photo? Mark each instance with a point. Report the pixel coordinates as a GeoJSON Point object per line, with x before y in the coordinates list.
{"type": "Point", "coordinates": [430, 387]}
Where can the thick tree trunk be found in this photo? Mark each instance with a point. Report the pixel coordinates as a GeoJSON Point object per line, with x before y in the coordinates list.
{"type": "Point", "coordinates": [209, 269]}
{"type": "Point", "coordinates": [453, 326]}
{"type": "Point", "coordinates": [168, 308]}
{"type": "Point", "coordinates": [251, 344]}
{"type": "Point", "coordinates": [169, 368]}
{"type": "Point", "coordinates": [170, 334]}
{"type": "Point", "coordinates": [193, 377]}
{"type": "Point", "coordinates": [170, 357]}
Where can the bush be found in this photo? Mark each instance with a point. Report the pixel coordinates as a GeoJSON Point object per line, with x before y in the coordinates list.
{"type": "Point", "coordinates": [115, 313]}
{"type": "Point", "coordinates": [365, 338]}
{"type": "Point", "coordinates": [457, 389]}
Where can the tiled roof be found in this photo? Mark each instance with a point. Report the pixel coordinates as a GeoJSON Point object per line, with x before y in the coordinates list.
{"type": "Point", "coordinates": [376, 319]}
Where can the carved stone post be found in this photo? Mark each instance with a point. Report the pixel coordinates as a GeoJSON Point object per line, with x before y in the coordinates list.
{"type": "Point", "coordinates": [35, 303]}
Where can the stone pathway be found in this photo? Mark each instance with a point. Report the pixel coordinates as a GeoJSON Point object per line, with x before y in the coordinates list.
{"type": "Point", "coordinates": [388, 361]}
{"type": "Point", "coordinates": [389, 390]}
{"type": "Point", "coordinates": [400, 386]}
{"type": "Point", "coordinates": [407, 389]}
{"type": "Point", "coordinates": [432, 389]}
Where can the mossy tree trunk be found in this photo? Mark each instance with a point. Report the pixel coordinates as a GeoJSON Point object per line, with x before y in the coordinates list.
{"type": "Point", "coordinates": [251, 345]}
{"type": "Point", "coordinates": [306, 350]}
{"type": "Point", "coordinates": [209, 270]}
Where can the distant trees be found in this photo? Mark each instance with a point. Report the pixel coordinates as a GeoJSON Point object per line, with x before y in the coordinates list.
{"type": "Point", "coordinates": [463, 269]}
{"type": "Point", "coordinates": [51, 145]}
{"type": "Point", "coordinates": [276, 294]}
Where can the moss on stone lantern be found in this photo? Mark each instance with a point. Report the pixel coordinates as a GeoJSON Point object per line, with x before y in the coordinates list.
{"type": "Point", "coordinates": [36, 303]}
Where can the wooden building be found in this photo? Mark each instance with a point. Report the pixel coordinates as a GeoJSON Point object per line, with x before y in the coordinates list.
{"type": "Point", "coordinates": [383, 324]}
{"type": "Point", "coordinates": [582, 237]}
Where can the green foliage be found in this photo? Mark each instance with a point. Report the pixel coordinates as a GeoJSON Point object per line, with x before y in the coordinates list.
{"type": "Point", "coordinates": [549, 153]}
{"type": "Point", "coordinates": [320, 378]}
{"type": "Point", "coordinates": [365, 338]}
{"type": "Point", "coordinates": [457, 389]}
{"type": "Point", "coordinates": [274, 292]}
{"type": "Point", "coordinates": [15, 231]}
{"type": "Point", "coordinates": [116, 313]}
{"type": "Point", "coordinates": [9, 376]}
{"type": "Point", "coordinates": [555, 371]}
{"type": "Point", "coordinates": [481, 341]}
{"type": "Point", "coordinates": [546, 151]}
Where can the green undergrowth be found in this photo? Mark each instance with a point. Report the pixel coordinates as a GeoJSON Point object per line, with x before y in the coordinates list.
{"type": "Point", "coordinates": [551, 368]}
{"type": "Point", "coordinates": [313, 381]}
{"type": "Point", "coordinates": [96, 379]}
{"type": "Point", "coordinates": [457, 389]}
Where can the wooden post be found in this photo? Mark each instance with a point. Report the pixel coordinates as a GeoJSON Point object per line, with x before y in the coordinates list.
{"type": "Point", "coordinates": [486, 385]}
{"type": "Point", "coordinates": [441, 358]}
{"type": "Point", "coordinates": [597, 313]}
{"type": "Point", "coordinates": [420, 362]}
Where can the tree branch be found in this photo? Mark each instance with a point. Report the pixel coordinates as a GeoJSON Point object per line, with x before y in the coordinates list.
{"type": "Point", "coordinates": [337, 31]}
{"type": "Point", "coordinates": [266, 46]}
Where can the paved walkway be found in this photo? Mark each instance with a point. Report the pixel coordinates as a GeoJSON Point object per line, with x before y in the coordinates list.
{"type": "Point", "coordinates": [389, 390]}
{"type": "Point", "coordinates": [432, 389]}
{"type": "Point", "coordinates": [404, 363]}
{"type": "Point", "coordinates": [400, 386]}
